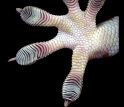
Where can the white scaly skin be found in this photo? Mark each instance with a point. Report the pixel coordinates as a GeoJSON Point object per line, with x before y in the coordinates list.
{"type": "Point", "coordinates": [78, 31]}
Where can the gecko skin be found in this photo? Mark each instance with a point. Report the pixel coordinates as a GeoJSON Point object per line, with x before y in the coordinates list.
{"type": "Point", "coordinates": [78, 31]}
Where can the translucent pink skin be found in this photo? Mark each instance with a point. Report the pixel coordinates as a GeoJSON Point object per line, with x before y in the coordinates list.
{"type": "Point", "coordinates": [78, 31]}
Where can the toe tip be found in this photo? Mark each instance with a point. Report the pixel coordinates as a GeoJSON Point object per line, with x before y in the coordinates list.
{"type": "Point", "coordinates": [18, 10]}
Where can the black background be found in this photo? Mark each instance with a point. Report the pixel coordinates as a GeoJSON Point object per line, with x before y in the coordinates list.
{"type": "Point", "coordinates": [40, 84]}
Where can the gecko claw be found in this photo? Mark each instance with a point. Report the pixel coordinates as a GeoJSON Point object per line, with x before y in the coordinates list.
{"type": "Point", "coordinates": [12, 59]}
{"type": "Point", "coordinates": [18, 10]}
{"type": "Point", "coordinates": [66, 103]}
